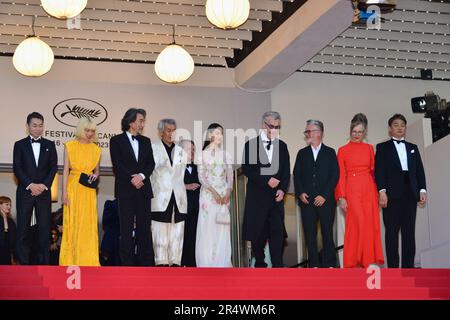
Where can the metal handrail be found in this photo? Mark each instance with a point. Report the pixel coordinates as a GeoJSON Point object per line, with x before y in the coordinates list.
{"type": "Point", "coordinates": [236, 232]}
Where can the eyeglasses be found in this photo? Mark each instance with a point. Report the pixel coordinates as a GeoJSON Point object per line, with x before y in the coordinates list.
{"type": "Point", "coordinates": [272, 126]}
{"type": "Point", "coordinates": [358, 133]}
{"type": "Point", "coordinates": [310, 131]}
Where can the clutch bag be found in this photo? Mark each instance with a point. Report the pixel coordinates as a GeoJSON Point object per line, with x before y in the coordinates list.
{"type": "Point", "coordinates": [223, 215]}
{"type": "Point", "coordinates": [84, 180]}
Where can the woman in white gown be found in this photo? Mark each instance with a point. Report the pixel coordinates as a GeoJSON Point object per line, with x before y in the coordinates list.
{"type": "Point", "coordinates": [213, 243]}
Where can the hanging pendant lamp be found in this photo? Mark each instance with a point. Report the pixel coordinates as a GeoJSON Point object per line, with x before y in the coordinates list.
{"type": "Point", "coordinates": [174, 64]}
{"type": "Point", "coordinates": [227, 14]}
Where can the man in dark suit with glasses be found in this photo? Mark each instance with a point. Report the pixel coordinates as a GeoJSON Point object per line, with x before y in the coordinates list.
{"type": "Point", "coordinates": [266, 165]}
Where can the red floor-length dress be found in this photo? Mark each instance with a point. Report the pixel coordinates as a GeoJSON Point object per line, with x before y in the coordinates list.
{"type": "Point", "coordinates": [362, 240]}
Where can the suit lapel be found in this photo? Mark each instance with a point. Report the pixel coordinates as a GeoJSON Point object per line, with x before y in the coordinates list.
{"type": "Point", "coordinates": [408, 157]}
{"type": "Point", "coordinates": [30, 151]}
{"type": "Point", "coordinates": [193, 170]}
{"type": "Point", "coordinates": [276, 153]}
{"type": "Point", "coordinates": [162, 149]}
{"type": "Point", "coordinates": [175, 156]}
{"type": "Point", "coordinates": [141, 149]}
{"type": "Point", "coordinates": [130, 147]}
{"type": "Point", "coordinates": [41, 152]}
{"type": "Point", "coordinates": [310, 153]}
{"type": "Point", "coordinates": [321, 151]}
{"type": "Point", "coordinates": [394, 153]}
{"type": "Point", "coordinates": [263, 159]}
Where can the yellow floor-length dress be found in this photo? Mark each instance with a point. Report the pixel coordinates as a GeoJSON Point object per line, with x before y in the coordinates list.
{"type": "Point", "coordinates": [79, 244]}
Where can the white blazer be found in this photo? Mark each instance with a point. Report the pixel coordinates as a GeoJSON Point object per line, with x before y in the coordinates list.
{"type": "Point", "coordinates": [167, 178]}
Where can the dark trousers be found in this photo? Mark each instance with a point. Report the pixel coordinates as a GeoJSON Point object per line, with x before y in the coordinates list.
{"type": "Point", "coordinates": [138, 208]}
{"type": "Point", "coordinates": [190, 235]}
{"type": "Point", "coordinates": [274, 232]}
{"type": "Point", "coordinates": [400, 216]}
{"type": "Point", "coordinates": [42, 206]}
{"type": "Point", "coordinates": [310, 216]}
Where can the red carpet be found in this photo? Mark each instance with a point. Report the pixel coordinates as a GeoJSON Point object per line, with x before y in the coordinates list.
{"type": "Point", "coordinates": [44, 282]}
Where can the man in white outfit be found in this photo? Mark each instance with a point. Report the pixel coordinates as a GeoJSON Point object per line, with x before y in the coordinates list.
{"type": "Point", "coordinates": [169, 204]}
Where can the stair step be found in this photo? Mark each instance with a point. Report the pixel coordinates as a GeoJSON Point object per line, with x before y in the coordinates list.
{"type": "Point", "coordinates": [237, 293]}
{"type": "Point", "coordinates": [50, 282]}
{"type": "Point", "coordinates": [24, 292]}
{"type": "Point", "coordinates": [190, 293]}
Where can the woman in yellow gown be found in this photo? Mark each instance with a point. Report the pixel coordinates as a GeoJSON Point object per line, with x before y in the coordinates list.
{"type": "Point", "coordinates": [79, 244]}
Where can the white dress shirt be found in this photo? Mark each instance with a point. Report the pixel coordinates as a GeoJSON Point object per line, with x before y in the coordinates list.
{"type": "Point", "coordinates": [265, 140]}
{"type": "Point", "coordinates": [36, 152]}
{"type": "Point", "coordinates": [189, 168]}
{"type": "Point", "coordinates": [316, 150]}
{"type": "Point", "coordinates": [135, 146]}
{"type": "Point", "coordinates": [401, 151]}
{"type": "Point", "coordinates": [36, 149]}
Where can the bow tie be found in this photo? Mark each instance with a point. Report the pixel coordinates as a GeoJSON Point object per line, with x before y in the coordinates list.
{"type": "Point", "coordinates": [35, 140]}
{"type": "Point", "coordinates": [134, 138]}
{"type": "Point", "coordinates": [398, 141]}
{"type": "Point", "coordinates": [269, 143]}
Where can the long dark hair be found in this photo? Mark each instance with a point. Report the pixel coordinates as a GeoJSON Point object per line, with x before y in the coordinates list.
{"type": "Point", "coordinates": [211, 128]}
{"type": "Point", "coordinates": [130, 117]}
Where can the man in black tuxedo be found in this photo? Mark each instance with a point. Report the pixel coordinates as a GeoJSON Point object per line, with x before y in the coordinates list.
{"type": "Point", "coordinates": [193, 197]}
{"type": "Point", "coordinates": [401, 182]}
{"type": "Point", "coordinates": [133, 163]}
{"type": "Point", "coordinates": [266, 165]}
{"type": "Point", "coordinates": [35, 165]}
{"type": "Point", "coordinates": [316, 173]}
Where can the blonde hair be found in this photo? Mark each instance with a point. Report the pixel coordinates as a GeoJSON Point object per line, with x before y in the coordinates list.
{"type": "Point", "coordinates": [85, 123]}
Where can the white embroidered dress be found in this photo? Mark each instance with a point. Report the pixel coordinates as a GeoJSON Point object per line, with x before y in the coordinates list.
{"type": "Point", "coordinates": [213, 243]}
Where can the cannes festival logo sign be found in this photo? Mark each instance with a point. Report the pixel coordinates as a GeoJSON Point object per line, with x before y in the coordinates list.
{"type": "Point", "coordinates": [70, 111]}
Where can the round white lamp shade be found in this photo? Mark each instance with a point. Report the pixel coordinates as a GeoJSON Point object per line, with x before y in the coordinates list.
{"type": "Point", "coordinates": [64, 9]}
{"type": "Point", "coordinates": [174, 64]}
{"type": "Point", "coordinates": [33, 57]}
{"type": "Point", "coordinates": [227, 14]}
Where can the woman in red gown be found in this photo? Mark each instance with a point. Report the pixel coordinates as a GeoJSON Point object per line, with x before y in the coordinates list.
{"type": "Point", "coordinates": [358, 197]}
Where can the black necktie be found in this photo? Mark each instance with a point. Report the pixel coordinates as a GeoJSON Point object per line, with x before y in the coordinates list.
{"type": "Point", "coordinates": [134, 137]}
{"type": "Point", "coordinates": [269, 143]}
{"type": "Point", "coordinates": [399, 141]}
{"type": "Point", "coordinates": [35, 140]}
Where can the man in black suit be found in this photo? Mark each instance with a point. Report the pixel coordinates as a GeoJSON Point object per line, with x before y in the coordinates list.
{"type": "Point", "coordinates": [266, 165]}
{"type": "Point", "coordinates": [401, 182]}
{"type": "Point", "coordinates": [316, 173]}
{"type": "Point", "coordinates": [132, 159]}
{"type": "Point", "coordinates": [193, 197]}
{"type": "Point", "coordinates": [35, 165]}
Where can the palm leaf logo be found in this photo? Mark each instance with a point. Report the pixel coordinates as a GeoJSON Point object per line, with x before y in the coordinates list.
{"type": "Point", "coordinates": [80, 112]}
